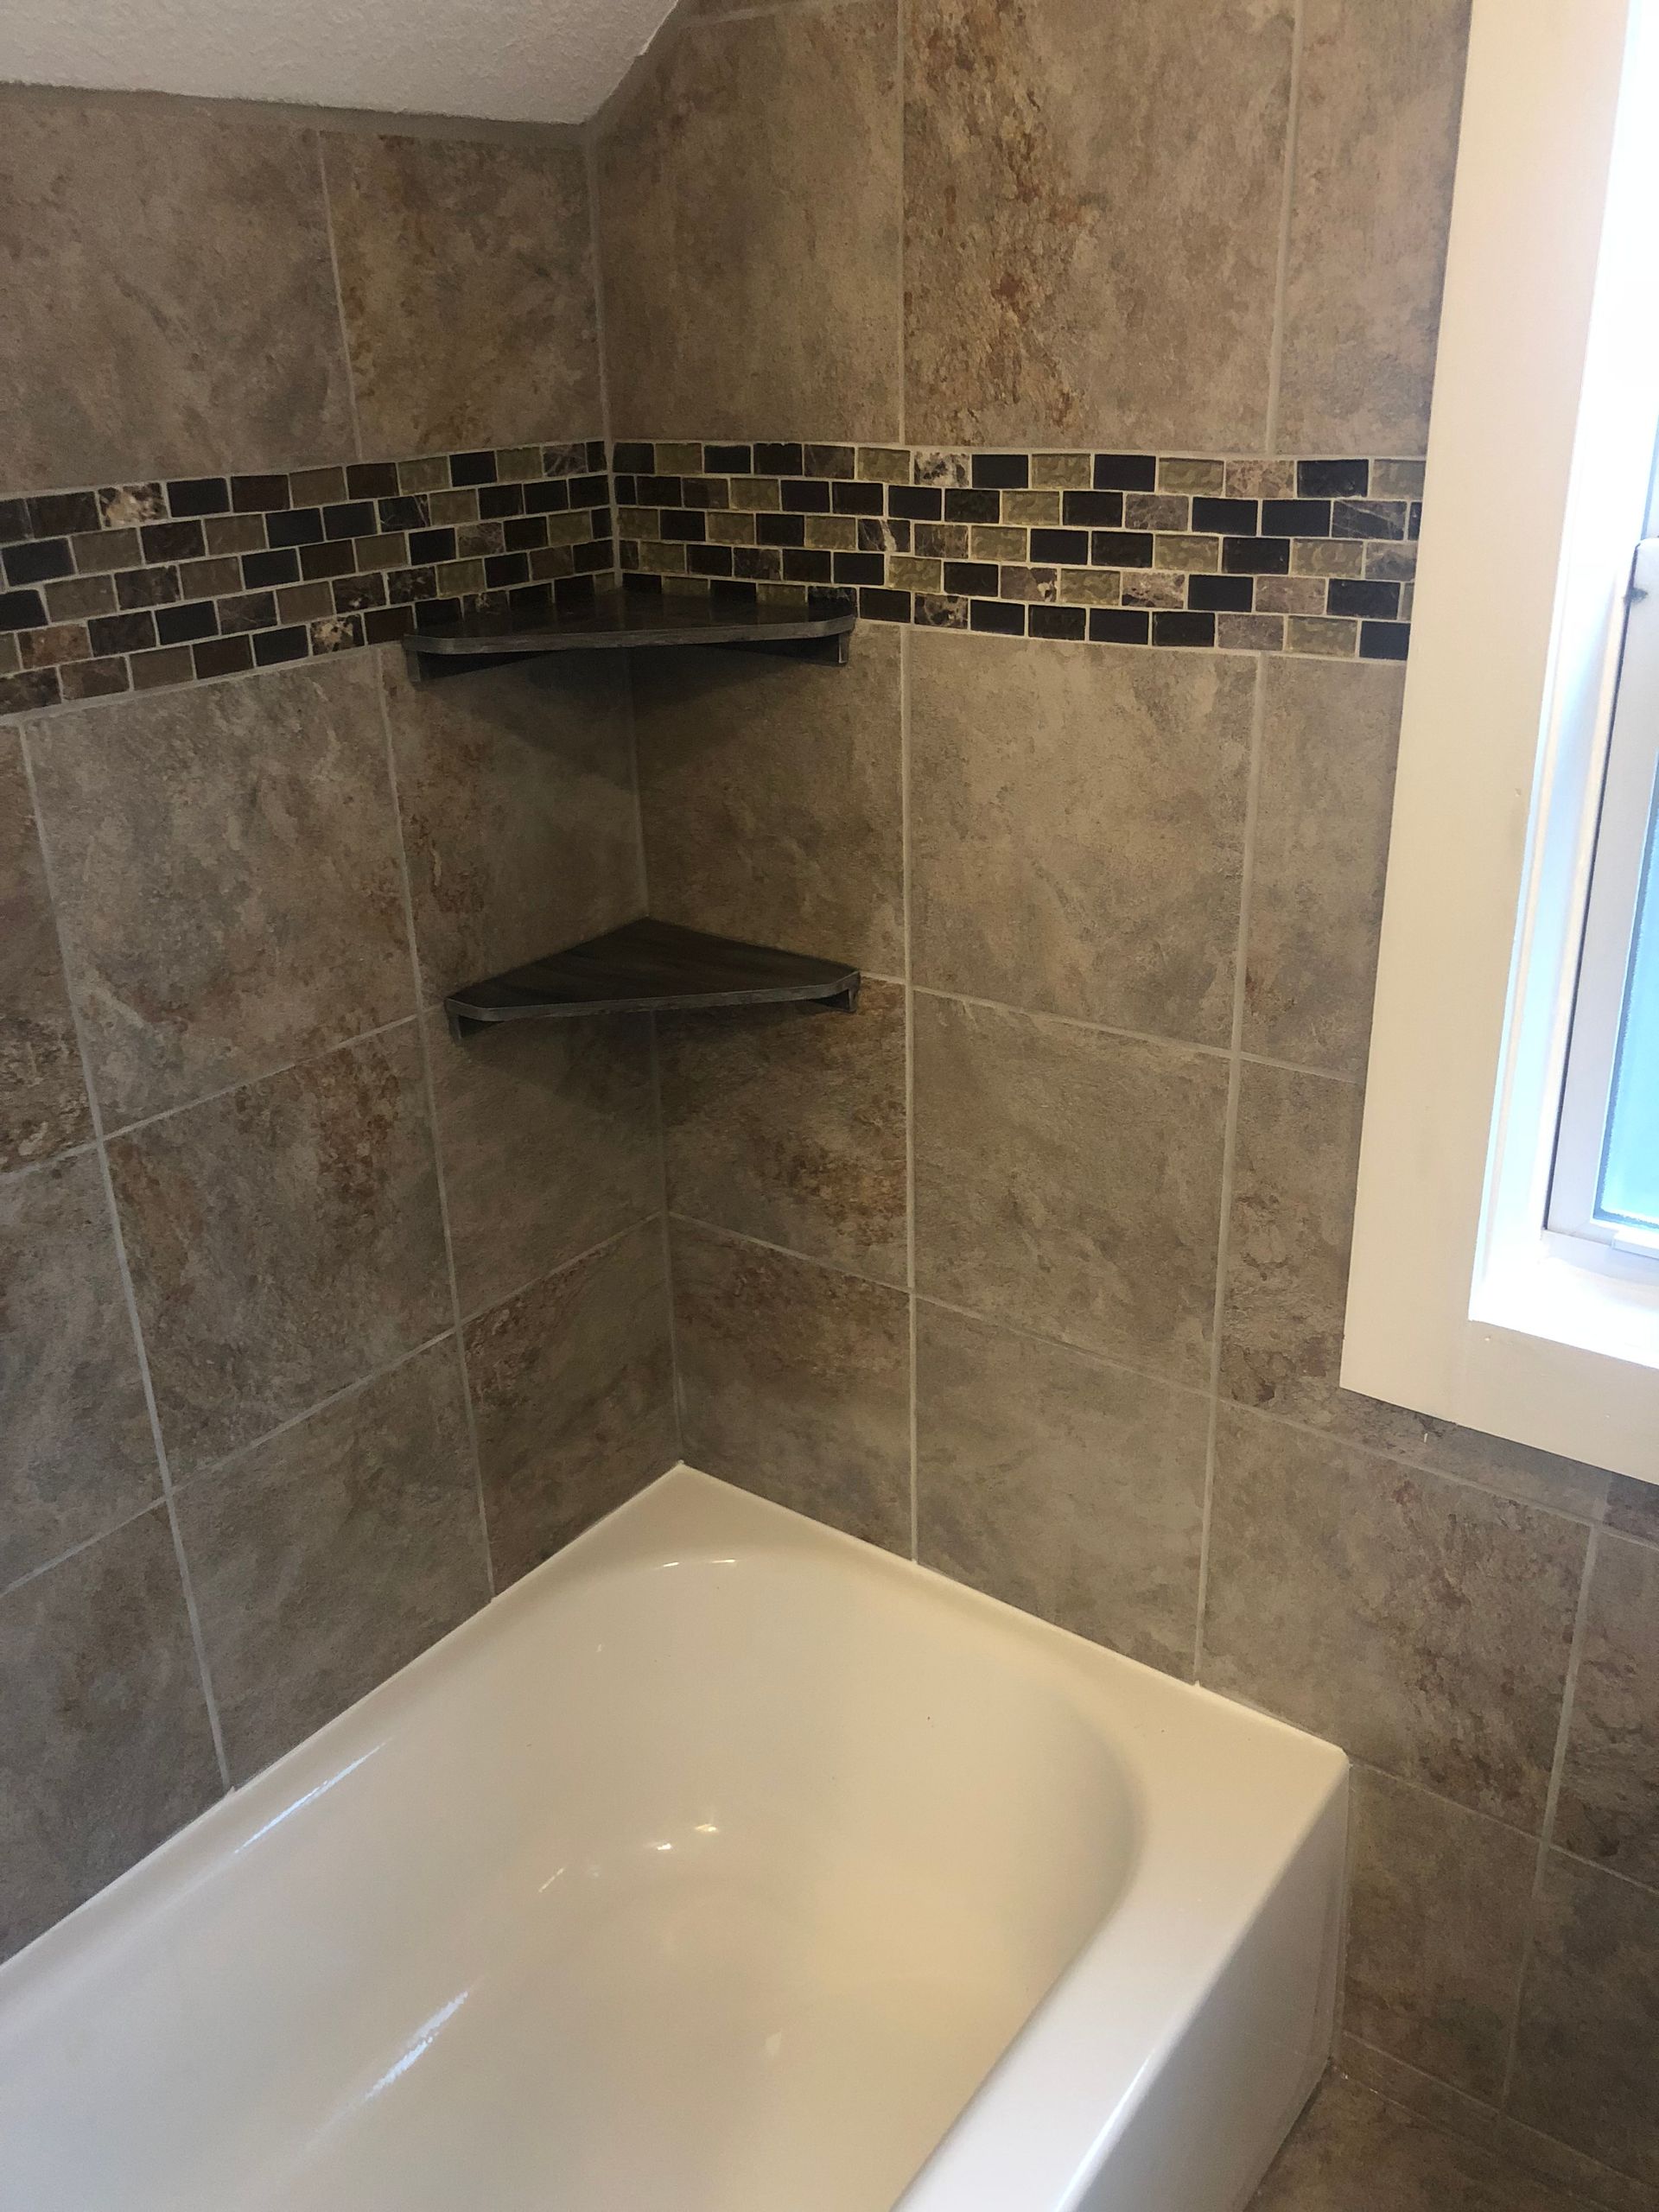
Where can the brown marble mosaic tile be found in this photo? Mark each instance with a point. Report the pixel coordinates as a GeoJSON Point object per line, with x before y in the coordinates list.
{"type": "Point", "coordinates": [1311, 556]}
{"type": "Point", "coordinates": [133, 586]}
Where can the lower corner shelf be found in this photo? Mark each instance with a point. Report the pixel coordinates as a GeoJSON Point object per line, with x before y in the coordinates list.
{"type": "Point", "coordinates": [649, 967]}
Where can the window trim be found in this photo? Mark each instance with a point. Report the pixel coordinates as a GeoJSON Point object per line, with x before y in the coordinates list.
{"type": "Point", "coordinates": [1625, 831]}
{"type": "Point", "coordinates": [1536, 484]}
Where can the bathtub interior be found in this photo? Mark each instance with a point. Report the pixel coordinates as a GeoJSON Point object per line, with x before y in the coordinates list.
{"type": "Point", "coordinates": [696, 1880]}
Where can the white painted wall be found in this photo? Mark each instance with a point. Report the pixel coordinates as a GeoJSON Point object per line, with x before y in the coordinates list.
{"type": "Point", "coordinates": [516, 60]}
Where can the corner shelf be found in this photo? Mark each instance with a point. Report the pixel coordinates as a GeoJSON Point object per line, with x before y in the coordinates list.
{"type": "Point", "coordinates": [621, 621]}
{"type": "Point", "coordinates": [649, 967]}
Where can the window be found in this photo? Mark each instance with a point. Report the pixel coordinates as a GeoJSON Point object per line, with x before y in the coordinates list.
{"type": "Point", "coordinates": [1605, 1187]}
{"type": "Point", "coordinates": [1505, 1259]}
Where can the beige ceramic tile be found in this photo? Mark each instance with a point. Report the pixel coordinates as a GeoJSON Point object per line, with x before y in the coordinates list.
{"type": "Point", "coordinates": [206, 336]}
{"type": "Point", "coordinates": [107, 1748]}
{"type": "Point", "coordinates": [1437, 1927]}
{"type": "Point", "coordinates": [1326, 789]}
{"type": "Point", "coordinates": [1608, 1808]}
{"type": "Point", "coordinates": [1072, 1489]}
{"type": "Point", "coordinates": [749, 231]}
{"type": "Point", "coordinates": [466, 284]}
{"type": "Point", "coordinates": [1297, 1157]}
{"type": "Point", "coordinates": [1590, 2019]}
{"type": "Point", "coordinates": [76, 1453]}
{"type": "Point", "coordinates": [43, 1098]}
{"type": "Point", "coordinates": [1382, 85]}
{"type": "Point", "coordinates": [517, 795]}
{"type": "Point", "coordinates": [1353, 2152]}
{"type": "Point", "coordinates": [1078, 828]}
{"type": "Point", "coordinates": [1068, 1182]}
{"type": "Point", "coordinates": [333, 1554]}
{"type": "Point", "coordinates": [226, 860]}
{"type": "Point", "coordinates": [284, 1240]}
{"type": "Point", "coordinates": [796, 1382]}
{"type": "Point", "coordinates": [771, 799]}
{"type": "Point", "coordinates": [1044, 299]}
{"type": "Point", "coordinates": [548, 1134]}
{"type": "Point", "coordinates": [1422, 1624]}
{"type": "Point", "coordinates": [787, 1123]}
{"type": "Point", "coordinates": [572, 1392]}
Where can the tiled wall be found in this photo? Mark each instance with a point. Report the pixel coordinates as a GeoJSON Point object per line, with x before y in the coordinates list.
{"type": "Point", "coordinates": [1036, 1265]}
{"type": "Point", "coordinates": [316, 1328]}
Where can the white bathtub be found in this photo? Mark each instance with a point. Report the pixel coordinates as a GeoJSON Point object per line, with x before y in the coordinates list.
{"type": "Point", "coordinates": [723, 1866]}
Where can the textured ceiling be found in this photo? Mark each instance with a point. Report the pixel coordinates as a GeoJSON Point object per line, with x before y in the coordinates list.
{"type": "Point", "coordinates": [519, 61]}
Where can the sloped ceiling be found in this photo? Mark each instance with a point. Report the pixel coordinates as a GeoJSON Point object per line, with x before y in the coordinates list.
{"type": "Point", "coordinates": [516, 60]}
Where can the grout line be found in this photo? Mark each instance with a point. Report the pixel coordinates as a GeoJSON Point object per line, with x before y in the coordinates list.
{"type": "Point", "coordinates": [1229, 1151]}
{"type": "Point", "coordinates": [1419, 1788]}
{"type": "Point", "coordinates": [130, 1297]}
{"type": "Point", "coordinates": [668, 1242]}
{"type": "Point", "coordinates": [1096, 1358]}
{"type": "Point", "coordinates": [264, 1074]}
{"type": "Point", "coordinates": [788, 1252]}
{"type": "Point", "coordinates": [1132, 1036]}
{"type": "Point", "coordinates": [1286, 210]}
{"type": "Point", "coordinates": [787, 8]}
{"type": "Point", "coordinates": [549, 1275]}
{"type": "Point", "coordinates": [590, 171]}
{"type": "Point", "coordinates": [901, 14]}
{"type": "Point", "coordinates": [1335, 1440]}
{"type": "Point", "coordinates": [1552, 1800]}
{"type": "Point", "coordinates": [61, 1558]}
{"type": "Point", "coordinates": [429, 1087]}
{"type": "Point", "coordinates": [21, 1173]}
{"type": "Point", "coordinates": [1501, 2146]}
{"type": "Point", "coordinates": [910, 1088]}
{"type": "Point", "coordinates": [339, 298]}
{"type": "Point", "coordinates": [228, 1461]}
{"type": "Point", "coordinates": [1073, 1021]}
{"type": "Point", "coordinates": [944, 1305]}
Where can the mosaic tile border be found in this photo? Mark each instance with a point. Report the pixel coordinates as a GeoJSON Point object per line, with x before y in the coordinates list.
{"type": "Point", "coordinates": [131, 587]}
{"type": "Point", "coordinates": [1296, 555]}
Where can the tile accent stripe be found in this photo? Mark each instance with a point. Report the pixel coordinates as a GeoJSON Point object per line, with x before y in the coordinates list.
{"type": "Point", "coordinates": [1284, 556]}
{"type": "Point", "coordinates": [131, 587]}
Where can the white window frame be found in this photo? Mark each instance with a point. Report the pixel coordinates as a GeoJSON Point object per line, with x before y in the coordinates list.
{"type": "Point", "coordinates": [1461, 1304]}
{"type": "Point", "coordinates": [1625, 829]}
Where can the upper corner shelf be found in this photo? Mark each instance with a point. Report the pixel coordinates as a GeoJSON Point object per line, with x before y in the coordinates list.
{"type": "Point", "coordinates": [620, 621]}
{"type": "Point", "coordinates": [648, 967]}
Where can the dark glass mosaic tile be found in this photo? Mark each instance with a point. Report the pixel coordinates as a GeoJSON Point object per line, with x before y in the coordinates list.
{"type": "Point", "coordinates": [1098, 510]}
{"type": "Point", "coordinates": [1121, 549]}
{"type": "Point", "coordinates": [1119, 625]}
{"type": "Point", "coordinates": [1070, 546]}
{"type": "Point", "coordinates": [1256, 557]}
{"type": "Point", "coordinates": [1349, 595]}
{"type": "Point", "coordinates": [182, 625]}
{"type": "Point", "coordinates": [1179, 627]}
{"type": "Point", "coordinates": [1221, 595]}
{"type": "Point", "coordinates": [1063, 622]}
{"type": "Point", "coordinates": [38, 560]}
{"type": "Point", "coordinates": [196, 495]}
{"type": "Point", "coordinates": [1007, 472]}
{"type": "Point", "coordinates": [1226, 517]}
{"type": "Point", "coordinates": [1126, 471]}
{"type": "Point", "coordinates": [1003, 617]}
{"type": "Point", "coordinates": [1296, 517]}
{"type": "Point", "coordinates": [1384, 640]}
{"type": "Point", "coordinates": [1333, 479]}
